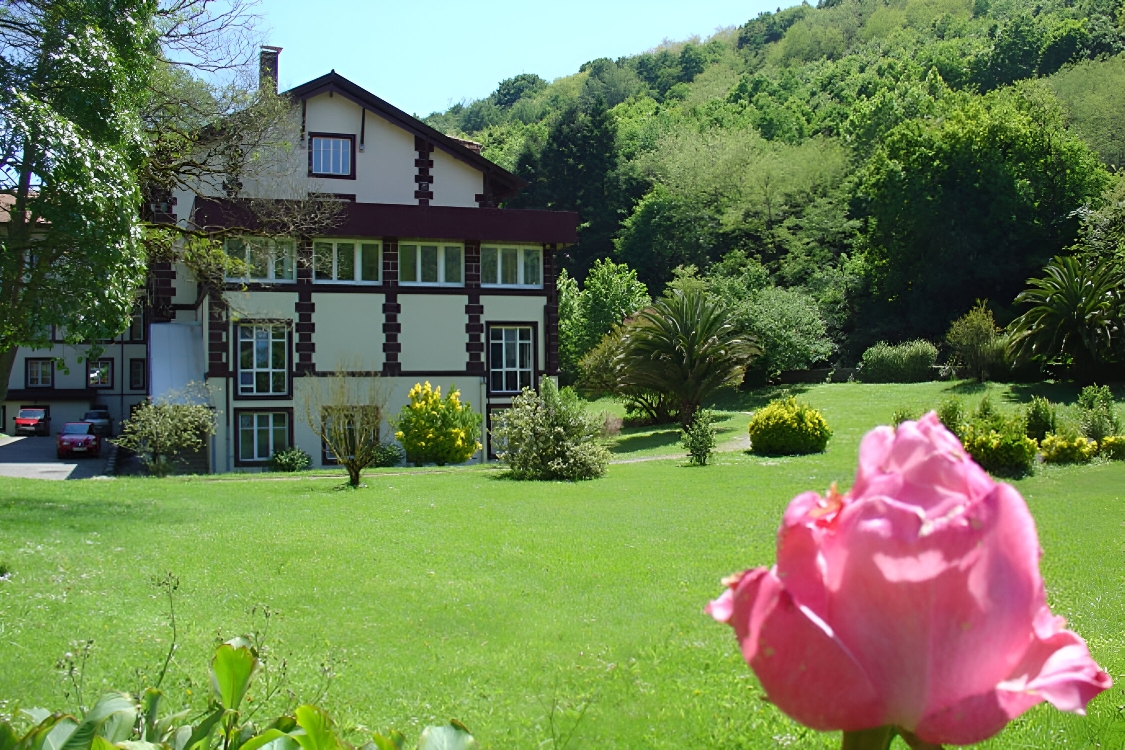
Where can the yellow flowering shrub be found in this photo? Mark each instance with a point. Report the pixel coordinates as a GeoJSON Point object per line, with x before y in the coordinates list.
{"type": "Point", "coordinates": [1113, 446]}
{"type": "Point", "coordinates": [436, 430]}
{"type": "Point", "coordinates": [1058, 449]}
{"type": "Point", "coordinates": [787, 427]}
{"type": "Point", "coordinates": [1000, 447]}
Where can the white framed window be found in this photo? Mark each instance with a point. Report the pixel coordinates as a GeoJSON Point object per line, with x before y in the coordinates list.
{"type": "Point", "coordinates": [511, 266]}
{"type": "Point", "coordinates": [331, 155]}
{"type": "Point", "coordinates": [420, 263]}
{"type": "Point", "coordinates": [261, 434]}
{"type": "Point", "coordinates": [348, 261]}
{"type": "Point", "coordinates": [40, 373]}
{"type": "Point", "coordinates": [100, 373]}
{"type": "Point", "coordinates": [263, 360]}
{"type": "Point", "coordinates": [511, 358]}
{"type": "Point", "coordinates": [264, 259]}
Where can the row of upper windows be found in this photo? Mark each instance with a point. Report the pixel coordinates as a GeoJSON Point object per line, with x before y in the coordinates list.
{"type": "Point", "coordinates": [263, 359]}
{"type": "Point", "coordinates": [361, 262]}
{"type": "Point", "coordinates": [40, 373]}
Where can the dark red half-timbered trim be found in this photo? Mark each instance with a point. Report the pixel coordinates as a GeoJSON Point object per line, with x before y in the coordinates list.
{"type": "Point", "coordinates": [161, 276]}
{"type": "Point", "coordinates": [551, 309]}
{"type": "Point", "coordinates": [474, 328]}
{"type": "Point", "coordinates": [391, 308]}
{"type": "Point", "coordinates": [524, 226]}
{"type": "Point", "coordinates": [424, 164]}
{"type": "Point", "coordinates": [218, 337]}
{"type": "Point", "coordinates": [304, 308]}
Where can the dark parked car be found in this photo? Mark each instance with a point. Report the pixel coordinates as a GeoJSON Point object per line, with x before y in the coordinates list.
{"type": "Point", "coordinates": [78, 438]}
{"type": "Point", "coordinates": [103, 423]}
{"type": "Point", "coordinates": [33, 422]}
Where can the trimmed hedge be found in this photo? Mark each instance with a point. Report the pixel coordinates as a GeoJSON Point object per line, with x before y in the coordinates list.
{"type": "Point", "coordinates": [909, 362]}
{"type": "Point", "coordinates": [786, 427]}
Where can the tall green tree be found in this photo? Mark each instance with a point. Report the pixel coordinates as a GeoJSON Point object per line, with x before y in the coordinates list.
{"type": "Point", "coordinates": [964, 206]}
{"type": "Point", "coordinates": [574, 172]}
{"type": "Point", "coordinates": [72, 76]}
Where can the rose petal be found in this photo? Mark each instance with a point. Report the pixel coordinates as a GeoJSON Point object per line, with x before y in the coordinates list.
{"type": "Point", "coordinates": [934, 609]}
{"type": "Point", "coordinates": [804, 668]}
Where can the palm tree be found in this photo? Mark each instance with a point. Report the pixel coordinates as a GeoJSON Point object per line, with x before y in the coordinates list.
{"type": "Point", "coordinates": [1075, 314]}
{"type": "Point", "coordinates": [685, 346]}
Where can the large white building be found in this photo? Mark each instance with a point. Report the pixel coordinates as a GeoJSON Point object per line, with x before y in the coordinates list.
{"type": "Point", "coordinates": [420, 277]}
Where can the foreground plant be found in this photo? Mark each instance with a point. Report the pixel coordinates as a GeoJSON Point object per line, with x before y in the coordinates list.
{"type": "Point", "coordinates": [118, 721]}
{"type": "Point", "coordinates": [911, 605]}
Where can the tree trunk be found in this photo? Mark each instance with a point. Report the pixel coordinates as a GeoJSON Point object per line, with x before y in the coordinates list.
{"type": "Point", "coordinates": [353, 474]}
{"type": "Point", "coordinates": [687, 414]}
{"type": "Point", "coordinates": [7, 360]}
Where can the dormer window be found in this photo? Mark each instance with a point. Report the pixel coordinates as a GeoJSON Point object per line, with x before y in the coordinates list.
{"type": "Point", "coordinates": [332, 156]}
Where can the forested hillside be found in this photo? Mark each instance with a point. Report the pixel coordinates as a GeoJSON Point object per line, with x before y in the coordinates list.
{"type": "Point", "coordinates": [876, 166]}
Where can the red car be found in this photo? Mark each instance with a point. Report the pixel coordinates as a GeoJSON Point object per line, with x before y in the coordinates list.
{"type": "Point", "coordinates": [33, 422]}
{"type": "Point", "coordinates": [79, 438]}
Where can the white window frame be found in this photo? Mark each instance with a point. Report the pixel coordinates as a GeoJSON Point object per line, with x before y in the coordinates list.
{"type": "Point", "coordinates": [276, 333]}
{"type": "Point", "coordinates": [441, 247]}
{"type": "Point", "coordinates": [255, 428]}
{"type": "Point", "coordinates": [521, 267]}
{"type": "Point", "coordinates": [347, 158]}
{"type": "Point", "coordinates": [287, 255]}
{"type": "Point", "coordinates": [100, 366]}
{"type": "Point", "coordinates": [42, 367]}
{"type": "Point", "coordinates": [499, 364]}
{"type": "Point", "coordinates": [357, 261]}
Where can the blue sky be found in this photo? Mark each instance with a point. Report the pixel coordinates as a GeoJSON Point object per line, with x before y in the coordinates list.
{"type": "Point", "coordinates": [423, 56]}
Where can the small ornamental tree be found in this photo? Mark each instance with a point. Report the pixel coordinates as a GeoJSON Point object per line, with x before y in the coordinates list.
{"type": "Point", "coordinates": [977, 342]}
{"type": "Point", "coordinates": [159, 432]}
{"type": "Point", "coordinates": [346, 413]}
{"type": "Point", "coordinates": [437, 430]}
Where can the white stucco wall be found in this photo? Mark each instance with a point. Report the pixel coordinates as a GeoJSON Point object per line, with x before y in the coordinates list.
{"type": "Point", "coordinates": [262, 305]}
{"type": "Point", "coordinates": [455, 182]}
{"type": "Point", "coordinates": [433, 331]}
{"type": "Point", "coordinates": [349, 331]}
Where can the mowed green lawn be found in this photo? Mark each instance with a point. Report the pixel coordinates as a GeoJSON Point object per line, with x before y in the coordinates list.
{"type": "Point", "coordinates": [541, 614]}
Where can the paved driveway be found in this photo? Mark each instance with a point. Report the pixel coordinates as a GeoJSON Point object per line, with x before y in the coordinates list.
{"type": "Point", "coordinates": [34, 458]}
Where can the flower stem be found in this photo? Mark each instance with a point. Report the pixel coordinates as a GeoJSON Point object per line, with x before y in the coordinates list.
{"type": "Point", "coordinates": [876, 738]}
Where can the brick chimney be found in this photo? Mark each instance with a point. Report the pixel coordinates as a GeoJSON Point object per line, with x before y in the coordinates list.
{"type": "Point", "coordinates": [267, 67]}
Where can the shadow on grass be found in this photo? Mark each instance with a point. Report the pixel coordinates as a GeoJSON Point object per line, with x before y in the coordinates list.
{"type": "Point", "coordinates": [646, 441]}
{"type": "Point", "coordinates": [730, 399]}
{"type": "Point", "coordinates": [967, 388]}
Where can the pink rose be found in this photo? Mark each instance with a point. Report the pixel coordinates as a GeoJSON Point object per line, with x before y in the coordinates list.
{"type": "Point", "coordinates": [913, 601]}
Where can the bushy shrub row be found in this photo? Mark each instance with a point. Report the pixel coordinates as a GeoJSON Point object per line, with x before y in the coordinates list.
{"type": "Point", "coordinates": [909, 362]}
{"type": "Point", "coordinates": [1009, 443]}
{"type": "Point", "coordinates": [787, 427]}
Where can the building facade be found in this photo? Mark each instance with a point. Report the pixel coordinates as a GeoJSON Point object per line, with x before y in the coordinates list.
{"type": "Point", "coordinates": [417, 277]}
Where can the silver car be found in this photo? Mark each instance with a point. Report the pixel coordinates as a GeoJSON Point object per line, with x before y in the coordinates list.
{"type": "Point", "coordinates": [103, 423]}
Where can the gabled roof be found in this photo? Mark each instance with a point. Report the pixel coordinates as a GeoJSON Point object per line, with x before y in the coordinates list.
{"type": "Point", "coordinates": [503, 182]}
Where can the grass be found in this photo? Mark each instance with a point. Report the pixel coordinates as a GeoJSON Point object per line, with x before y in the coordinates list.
{"type": "Point", "coordinates": [542, 615]}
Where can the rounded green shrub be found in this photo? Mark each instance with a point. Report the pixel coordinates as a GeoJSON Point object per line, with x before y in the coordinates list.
{"type": "Point", "coordinates": [1006, 450]}
{"type": "Point", "coordinates": [786, 427]}
{"type": "Point", "coordinates": [951, 413]}
{"type": "Point", "coordinates": [1059, 449]}
{"type": "Point", "coordinates": [290, 459]}
{"type": "Point", "coordinates": [1040, 418]}
{"type": "Point", "coordinates": [1113, 446]}
{"type": "Point", "coordinates": [909, 362]}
